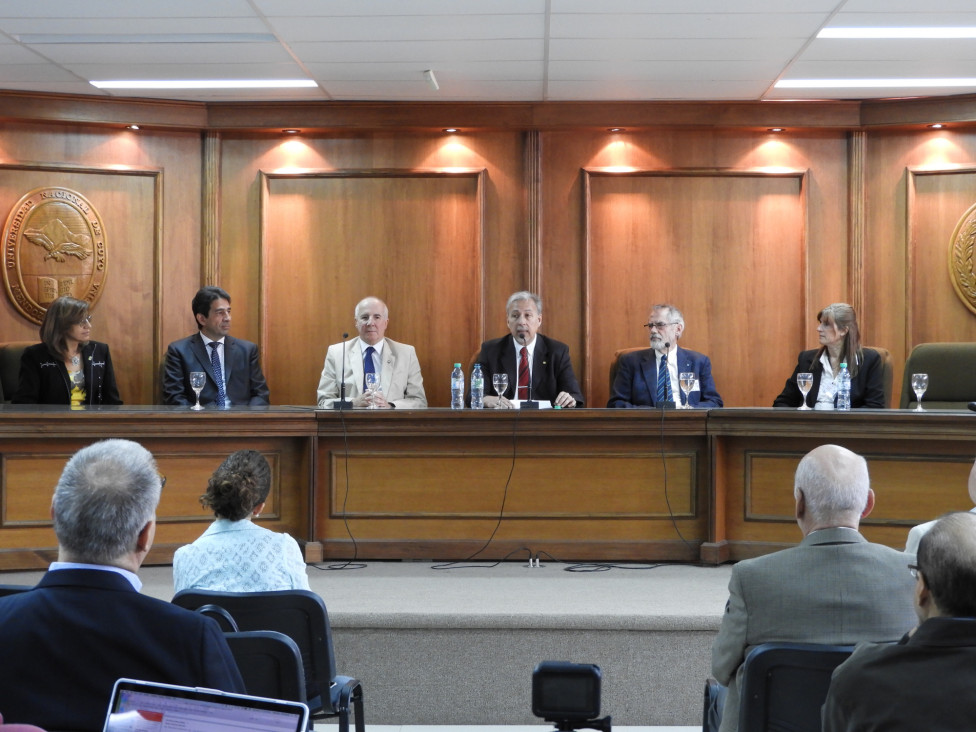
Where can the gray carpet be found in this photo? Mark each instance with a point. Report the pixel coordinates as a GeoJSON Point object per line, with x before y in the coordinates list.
{"type": "Point", "coordinates": [457, 646]}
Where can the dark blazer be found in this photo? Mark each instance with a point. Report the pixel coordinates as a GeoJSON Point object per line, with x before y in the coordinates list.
{"type": "Point", "coordinates": [636, 382]}
{"type": "Point", "coordinates": [867, 388]}
{"type": "Point", "coordinates": [245, 381]}
{"type": "Point", "coordinates": [66, 641]}
{"type": "Point", "coordinates": [44, 378]}
{"type": "Point", "coordinates": [552, 371]}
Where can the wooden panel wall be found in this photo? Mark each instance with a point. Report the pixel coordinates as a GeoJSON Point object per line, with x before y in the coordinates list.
{"type": "Point", "coordinates": [705, 241]}
{"type": "Point", "coordinates": [369, 229]}
{"type": "Point", "coordinates": [147, 191]}
{"type": "Point", "coordinates": [330, 238]}
{"type": "Point", "coordinates": [919, 184]}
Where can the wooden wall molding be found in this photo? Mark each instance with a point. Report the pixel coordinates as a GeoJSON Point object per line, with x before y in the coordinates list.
{"type": "Point", "coordinates": [856, 159]}
{"type": "Point", "coordinates": [210, 214]}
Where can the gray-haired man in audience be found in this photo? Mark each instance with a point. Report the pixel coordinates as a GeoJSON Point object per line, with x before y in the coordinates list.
{"type": "Point", "coordinates": [835, 587]}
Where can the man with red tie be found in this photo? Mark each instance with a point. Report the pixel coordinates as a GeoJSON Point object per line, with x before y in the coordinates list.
{"type": "Point", "coordinates": [538, 367]}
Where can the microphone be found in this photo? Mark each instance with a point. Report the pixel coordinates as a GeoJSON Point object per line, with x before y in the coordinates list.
{"type": "Point", "coordinates": [528, 403]}
{"type": "Point", "coordinates": [341, 402]}
{"type": "Point", "coordinates": [972, 406]}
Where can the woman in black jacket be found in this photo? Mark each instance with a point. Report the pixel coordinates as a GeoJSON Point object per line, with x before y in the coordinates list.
{"type": "Point", "coordinates": [66, 367]}
{"type": "Point", "coordinates": [840, 342]}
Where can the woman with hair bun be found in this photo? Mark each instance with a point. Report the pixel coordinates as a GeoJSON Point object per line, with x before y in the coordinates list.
{"type": "Point", "coordinates": [234, 554]}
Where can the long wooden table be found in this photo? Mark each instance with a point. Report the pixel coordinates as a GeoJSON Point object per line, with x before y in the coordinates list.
{"type": "Point", "coordinates": [591, 484]}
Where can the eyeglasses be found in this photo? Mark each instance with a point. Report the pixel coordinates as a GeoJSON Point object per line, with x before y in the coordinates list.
{"type": "Point", "coordinates": [913, 568]}
{"type": "Point", "coordinates": [87, 320]}
{"type": "Point", "coordinates": [659, 326]}
{"type": "Point", "coordinates": [162, 482]}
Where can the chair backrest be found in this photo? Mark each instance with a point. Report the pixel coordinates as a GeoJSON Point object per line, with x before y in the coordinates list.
{"type": "Point", "coordinates": [270, 664]}
{"type": "Point", "coordinates": [952, 375]}
{"type": "Point", "coordinates": [616, 358]}
{"type": "Point", "coordinates": [10, 354]}
{"type": "Point", "coordinates": [299, 614]}
{"type": "Point", "coordinates": [785, 684]}
{"type": "Point", "coordinates": [887, 371]}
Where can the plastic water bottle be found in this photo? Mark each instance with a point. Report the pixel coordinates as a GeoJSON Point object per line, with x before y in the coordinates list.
{"type": "Point", "coordinates": [844, 389]}
{"type": "Point", "coordinates": [477, 388]}
{"type": "Point", "coordinates": [457, 387]}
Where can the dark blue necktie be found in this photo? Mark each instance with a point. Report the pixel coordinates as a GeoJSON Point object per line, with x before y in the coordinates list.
{"type": "Point", "coordinates": [218, 374]}
{"type": "Point", "coordinates": [663, 382]}
{"type": "Point", "coordinates": [368, 367]}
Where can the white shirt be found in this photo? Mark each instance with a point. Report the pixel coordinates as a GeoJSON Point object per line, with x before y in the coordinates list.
{"type": "Point", "coordinates": [133, 578]}
{"type": "Point", "coordinates": [828, 384]}
{"type": "Point", "coordinates": [240, 556]}
{"type": "Point", "coordinates": [377, 355]}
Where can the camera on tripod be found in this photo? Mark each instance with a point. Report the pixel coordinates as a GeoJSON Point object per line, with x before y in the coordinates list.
{"type": "Point", "coordinates": [568, 695]}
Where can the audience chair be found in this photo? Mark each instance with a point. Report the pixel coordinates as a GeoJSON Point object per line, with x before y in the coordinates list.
{"type": "Point", "coordinates": [952, 375]}
{"type": "Point", "coordinates": [302, 616]}
{"type": "Point", "coordinates": [270, 664]}
{"type": "Point", "coordinates": [614, 363]}
{"type": "Point", "coordinates": [10, 354]}
{"type": "Point", "coordinates": [887, 372]}
{"type": "Point", "coordinates": [784, 685]}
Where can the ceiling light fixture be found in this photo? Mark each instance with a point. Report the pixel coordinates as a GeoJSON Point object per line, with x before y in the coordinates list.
{"type": "Point", "coordinates": [132, 127]}
{"type": "Point", "coordinates": [871, 83]}
{"type": "Point", "coordinates": [615, 129]}
{"type": "Point", "coordinates": [776, 129]}
{"type": "Point", "coordinates": [450, 129]}
{"type": "Point", "coordinates": [431, 79]}
{"type": "Point", "coordinates": [937, 126]}
{"type": "Point", "coordinates": [906, 32]}
{"type": "Point", "coordinates": [291, 131]}
{"type": "Point", "coordinates": [205, 84]}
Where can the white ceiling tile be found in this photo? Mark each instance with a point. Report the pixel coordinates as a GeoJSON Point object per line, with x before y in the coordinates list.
{"type": "Point", "coordinates": [333, 8]}
{"type": "Point", "coordinates": [729, 25]}
{"type": "Point", "coordinates": [421, 51]}
{"type": "Point", "coordinates": [669, 49]}
{"type": "Point", "coordinates": [409, 27]}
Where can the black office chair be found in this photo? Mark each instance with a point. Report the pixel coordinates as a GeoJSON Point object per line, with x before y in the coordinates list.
{"type": "Point", "coordinates": [952, 375]}
{"type": "Point", "coordinates": [784, 685]}
{"type": "Point", "coordinates": [270, 664]}
{"type": "Point", "coordinates": [302, 616]}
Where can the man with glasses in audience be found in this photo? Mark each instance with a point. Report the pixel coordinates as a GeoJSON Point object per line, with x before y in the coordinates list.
{"type": "Point", "coordinates": [926, 680]}
{"type": "Point", "coordinates": [649, 378]}
{"type": "Point", "coordinates": [834, 587]}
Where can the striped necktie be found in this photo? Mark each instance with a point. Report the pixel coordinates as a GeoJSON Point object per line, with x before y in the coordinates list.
{"type": "Point", "coordinates": [221, 400]}
{"type": "Point", "coordinates": [663, 383]}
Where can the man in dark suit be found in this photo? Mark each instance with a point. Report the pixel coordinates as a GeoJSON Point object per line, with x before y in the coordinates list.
{"type": "Point", "coordinates": [649, 378]}
{"type": "Point", "coordinates": [85, 624]}
{"type": "Point", "coordinates": [233, 372]}
{"type": "Point", "coordinates": [925, 681]}
{"type": "Point", "coordinates": [538, 367]}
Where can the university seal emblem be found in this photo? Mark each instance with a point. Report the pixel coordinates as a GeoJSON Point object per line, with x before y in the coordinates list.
{"type": "Point", "coordinates": [53, 245]}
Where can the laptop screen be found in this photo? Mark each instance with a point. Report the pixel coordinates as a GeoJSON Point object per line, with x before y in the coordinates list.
{"type": "Point", "coordinates": [142, 706]}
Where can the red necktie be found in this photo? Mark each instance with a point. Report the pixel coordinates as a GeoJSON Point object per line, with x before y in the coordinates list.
{"type": "Point", "coordinates": [523, 374]}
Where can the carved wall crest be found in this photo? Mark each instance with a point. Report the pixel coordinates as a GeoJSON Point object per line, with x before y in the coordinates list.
{"type": "Point", "coordinates": [53, 245]}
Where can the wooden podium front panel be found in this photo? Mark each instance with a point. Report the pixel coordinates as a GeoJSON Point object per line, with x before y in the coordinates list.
{"type": "Point", "coordinates": [918, 463]}
{"type": "Point", "coordinates": [35, 444]}
{"type": "Point", "coordinates": [585, 485]}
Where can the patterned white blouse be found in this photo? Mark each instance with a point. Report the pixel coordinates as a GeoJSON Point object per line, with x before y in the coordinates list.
{"type": "Point", "coordinates": [240, 556]}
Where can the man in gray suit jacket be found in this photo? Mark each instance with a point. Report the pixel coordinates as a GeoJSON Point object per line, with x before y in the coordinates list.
{"type": "Point", "coordinates": [835, 587]}
{"type": "Point", "coordinates": [396, 364]}
{"type": "Point", "coordinates": [234, 376]}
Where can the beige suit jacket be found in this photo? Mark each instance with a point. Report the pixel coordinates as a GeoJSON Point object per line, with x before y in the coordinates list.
{"type": "Point", "coordinates": [402, 383]}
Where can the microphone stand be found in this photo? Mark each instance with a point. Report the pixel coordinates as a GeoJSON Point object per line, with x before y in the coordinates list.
{"type": "Point", "coordinates": [341, 402]}
{"type": "Point", "coordinates": [528, 403]}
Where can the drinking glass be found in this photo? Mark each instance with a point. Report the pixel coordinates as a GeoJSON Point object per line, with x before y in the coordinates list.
{"type": "Point", "coordinates": [686, 380]}
{"type": "Point", "coordinates": [920, 382]}
{"type": "Point", "coordinates": [373, 386]}
{"type": "Point", "coordinates": [197, 380]}
{"type": "Point", "coordinates": [500, 383]}
{"type": "Point", "coordinates": [805, 382]}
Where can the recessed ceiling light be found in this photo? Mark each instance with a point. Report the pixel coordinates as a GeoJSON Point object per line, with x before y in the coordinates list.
{"type": "Point", "coordinates": [937, 126]}
{"type": "Point", "coordinates": [776, 129]}
{"type": "Point", "coordinates": [291, 132]}
{"type": "Point", "coordinates": [132, 127]}
{"type": "Point", "coordinates": [205, 84]}
{"type": "Point", "coordinates": [615, 129]}
{"type": "Point", "coordinates": [450, 129]}
{"type": "Point", "coordinates": [871, 83]}
{"type": "Point", "coordinates": [906, 32]}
